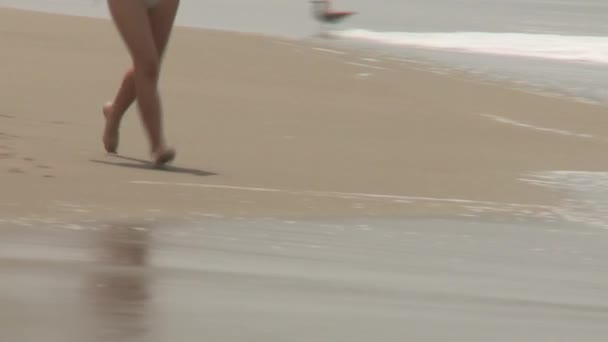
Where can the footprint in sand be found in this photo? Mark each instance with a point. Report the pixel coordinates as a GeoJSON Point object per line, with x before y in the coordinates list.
{"type": "Point", "coordinates": [44, 167]}
{"type": "Point", "coordinates": [28, 159]}
{"type": "Point", "coordinates": [6, 136]}
{"type": "Point", "coordinates": [16, 170]}
{"type": "Point", "coordinates": [58, 122]}
{"type": "Point", "coordinates": [6, 151]}
{"type": "Point", "coordinates": [6, 116]}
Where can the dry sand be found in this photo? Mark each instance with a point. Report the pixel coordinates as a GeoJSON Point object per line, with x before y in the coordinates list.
{"type": "Point", "coordinates": [247, 111]}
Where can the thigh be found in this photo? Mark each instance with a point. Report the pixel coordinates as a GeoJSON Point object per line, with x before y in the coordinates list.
{"type": "Point", "coordinates": [131, 19]}
{"type": "Point", "coordinates": [162, 17]}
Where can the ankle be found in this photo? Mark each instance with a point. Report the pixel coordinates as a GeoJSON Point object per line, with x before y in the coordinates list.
{"type": "Point", "coordinates": [158, 148]}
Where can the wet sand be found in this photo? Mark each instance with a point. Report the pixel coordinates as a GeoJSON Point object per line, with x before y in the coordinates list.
{"type": "Point", "coordinates": [264, 227]}
{"type": "Point", "coordinates": [271, 280]}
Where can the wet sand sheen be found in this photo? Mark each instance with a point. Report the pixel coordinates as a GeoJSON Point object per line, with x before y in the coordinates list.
{"type": "Point", "coordinates": [268, 280]}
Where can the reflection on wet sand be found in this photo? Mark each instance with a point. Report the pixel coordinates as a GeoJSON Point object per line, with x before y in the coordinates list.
{"type": "Point", "coordinates": [118, 290]}
{"type": "Point", "coordinates": [272, 280]}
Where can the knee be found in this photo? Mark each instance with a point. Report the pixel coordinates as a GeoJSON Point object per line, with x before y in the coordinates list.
{"type": "Point", "coordinates": [149, 68]}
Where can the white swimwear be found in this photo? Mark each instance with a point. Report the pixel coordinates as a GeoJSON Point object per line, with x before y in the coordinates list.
{"type": "Point", "coordinates": [151, 3]}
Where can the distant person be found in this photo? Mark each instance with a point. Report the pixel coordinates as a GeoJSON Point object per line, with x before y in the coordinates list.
{"type": "Point", "coordinates": [325, 14]}
{"type": "Point", "coordinates": [145, 27]}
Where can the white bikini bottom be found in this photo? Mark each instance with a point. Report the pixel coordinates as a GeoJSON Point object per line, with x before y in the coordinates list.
{"type": "Point", "coordinates": [151, 3]}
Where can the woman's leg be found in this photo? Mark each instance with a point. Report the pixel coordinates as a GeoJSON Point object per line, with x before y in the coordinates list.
{"type": "Point", "coordinates": [134, 24]}
{"type": "Point", "coordinates": [162, 18]}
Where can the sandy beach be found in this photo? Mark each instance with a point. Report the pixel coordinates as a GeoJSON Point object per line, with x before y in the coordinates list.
{"type": "Point", "coordinates": [247, 111]}
{"type": "Point", "coordinates": [302, 135]}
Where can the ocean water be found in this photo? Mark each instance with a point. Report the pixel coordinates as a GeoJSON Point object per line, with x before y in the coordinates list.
{"type": "Point", "coordinates": [553, 46]}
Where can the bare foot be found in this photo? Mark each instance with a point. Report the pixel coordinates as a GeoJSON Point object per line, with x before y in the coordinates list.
{"type": "Point", "coordinates": [163, 156]}
{"type": "Point", "coordinates": [110, 132]}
